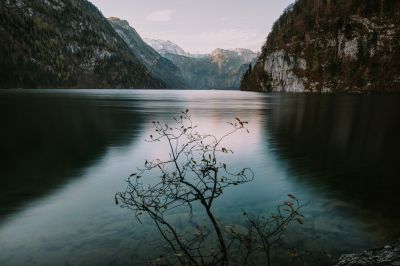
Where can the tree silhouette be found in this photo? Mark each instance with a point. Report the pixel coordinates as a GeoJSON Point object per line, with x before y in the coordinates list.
{"type": "Point", "coordinates": [191, 179]}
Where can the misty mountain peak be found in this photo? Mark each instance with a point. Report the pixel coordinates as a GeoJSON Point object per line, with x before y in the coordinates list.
{"type": "Point", "coordinates": [222, 68]}
{"type": "Point", "coordinates": [166, 47]}
{"type": "Point", "coordinates": [245, 55]}
{"type": "Point", "coordinates": [158, 65]}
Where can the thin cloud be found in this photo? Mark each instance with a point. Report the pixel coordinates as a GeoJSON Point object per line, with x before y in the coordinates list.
{"type": "Point", "coordinates": [160, 16]}
{"type": "Point", "coordinates": [205, 42]}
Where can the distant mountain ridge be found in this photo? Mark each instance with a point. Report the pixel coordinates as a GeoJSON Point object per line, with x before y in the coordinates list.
{"type": "Point", "coordinates": [157, 64]}
{"type": "Point", "coordinates": [70, 44]}
{"type": "Point", "coordinates": [166, 47]}
{"type": "Point", "coordinates": [221, 69]}
{"type": "Point", "coordinates": [65, 44]}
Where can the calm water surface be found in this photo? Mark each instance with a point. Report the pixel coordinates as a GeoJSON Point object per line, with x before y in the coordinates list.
{"type": "Point", "coordinates": [64, 154]}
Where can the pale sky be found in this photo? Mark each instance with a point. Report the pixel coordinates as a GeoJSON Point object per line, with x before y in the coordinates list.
{"type": "Point", "coordinates": [199, 26]}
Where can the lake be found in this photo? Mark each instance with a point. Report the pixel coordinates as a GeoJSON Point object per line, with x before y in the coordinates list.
{"type": "Point", "coordinates": [65, 153]}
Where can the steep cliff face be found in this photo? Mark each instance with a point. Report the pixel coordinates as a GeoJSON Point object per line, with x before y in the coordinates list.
{"type": "Point", "coordinates": [331, 46]}
{"type": "Point", "coordinates": [65, 44]}
{"type": "Point", "coordinates": [158, 65]}
{"type": "Point", "coordinates": [222, 69]}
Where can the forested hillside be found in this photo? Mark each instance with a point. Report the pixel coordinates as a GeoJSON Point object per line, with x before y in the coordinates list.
{"type": "Point", "coordinates": [331, 46]}
{"type": "Point", "coordinates": [65, 44]}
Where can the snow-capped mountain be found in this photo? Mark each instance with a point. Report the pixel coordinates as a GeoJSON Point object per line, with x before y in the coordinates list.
{"type": "Point", "coordinates": [164, 47]}
{"type": "Point", "coordinates": [221, 69]}
{"type": "Point", "coordinates": [159, 66]}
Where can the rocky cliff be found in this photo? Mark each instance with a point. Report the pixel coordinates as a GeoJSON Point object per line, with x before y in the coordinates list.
{"type": "Point", "coordinates": [221, 69]}
{"type": "Point", "coordinates": [157, 64]}
{"type": "Point", "coordinates": [331, 46]}
{"type": "Point", "coordinates": [65, 44]}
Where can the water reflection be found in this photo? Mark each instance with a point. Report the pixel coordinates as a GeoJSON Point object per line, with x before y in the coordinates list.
{"type": "Point", "coordinates": [66, 153]}
{"type": "Point", "coordinates": [47, 139]}
{"type": "Point", "coordinates": [344, 147]}
{"type": "Point", "coordinates": [78, 223]}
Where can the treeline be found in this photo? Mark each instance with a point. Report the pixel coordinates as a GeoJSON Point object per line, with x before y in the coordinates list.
{"type": "Point", "coordinates": [324, 33]}
{"type": "Point", "coordinates": [73, 45]}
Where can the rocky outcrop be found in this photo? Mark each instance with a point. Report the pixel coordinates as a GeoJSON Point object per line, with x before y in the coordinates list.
{"type": "Point", "coordinates": [387, 256]}
{"type": "Point", "coordinates": [157, 64]}
{"type": "Point", "coordinates": [221, 69]}
{"type": "Point", "coordinates": [331, 46]}
{"type": "Point", "coordinates": [281, 68]}
{"type": "Point", "coordinates": [65, 44]}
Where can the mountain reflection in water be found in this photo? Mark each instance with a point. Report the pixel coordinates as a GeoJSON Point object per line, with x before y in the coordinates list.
{"type": "Point", "coordinates": [65, 153]}
{"type": "Point", "coordinates": [346, 146]}
{"type": "Point", "coordinates": [47, 139]}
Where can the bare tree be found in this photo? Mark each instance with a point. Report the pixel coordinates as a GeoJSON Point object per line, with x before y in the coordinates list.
{"type": "Point", "coordinates": [191, 178]}
{"type": "Point", "coordinates": [191, 175]}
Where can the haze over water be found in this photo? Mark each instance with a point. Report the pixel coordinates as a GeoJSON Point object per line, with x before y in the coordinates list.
{"type": "Point", "coordinates": [65, 154]}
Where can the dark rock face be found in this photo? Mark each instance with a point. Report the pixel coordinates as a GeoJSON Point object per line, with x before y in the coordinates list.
{"type": "Point", "coordinates": [158, 65]}
{"type": "Point", "coordinates": [65, 44]}
{"type": "Point", "coordinates": [331, 46]}
{"type": "Point", "coordinates": [387, 256]}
